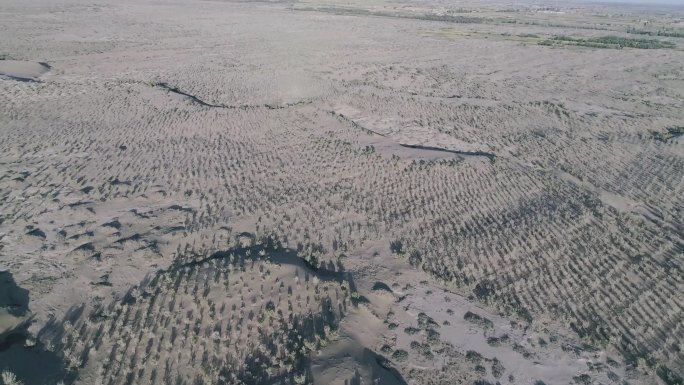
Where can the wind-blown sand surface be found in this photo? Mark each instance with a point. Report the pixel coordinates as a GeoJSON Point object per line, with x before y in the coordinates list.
{"type": "Point", "coordinates": [21, 70]}
{"type": "Point", "coordinates": [218, 192]}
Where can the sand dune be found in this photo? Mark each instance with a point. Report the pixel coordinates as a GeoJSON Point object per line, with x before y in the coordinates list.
{"type": "Point", "coordinates": [22, 70]}
{"type": "Point", "coordinates": [326, 192]}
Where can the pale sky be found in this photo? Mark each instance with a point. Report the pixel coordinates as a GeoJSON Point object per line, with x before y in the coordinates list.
{"type": "Point", "coordinates": [645, 2]}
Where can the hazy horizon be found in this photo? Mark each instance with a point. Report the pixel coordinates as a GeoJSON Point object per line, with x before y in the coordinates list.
{"type": "Point", "coordinates": [640, 2]}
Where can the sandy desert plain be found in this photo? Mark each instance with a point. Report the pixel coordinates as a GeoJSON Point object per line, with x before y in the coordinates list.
{"type": "Point", "coordinates": [341, 192]}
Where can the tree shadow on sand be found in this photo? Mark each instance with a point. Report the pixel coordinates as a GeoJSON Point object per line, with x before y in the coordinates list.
{"type": "Point", "coordinates": [118, 332]}
{"type": "Point", "coordinates": [20, 354]}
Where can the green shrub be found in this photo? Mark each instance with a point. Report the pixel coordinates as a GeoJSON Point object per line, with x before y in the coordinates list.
{"type": "Point", "coordinates": [616, 42]}
{"type": "Point", "coordinates": [400, 355]}
{"type": "Point", "coordinates": [479, 320]}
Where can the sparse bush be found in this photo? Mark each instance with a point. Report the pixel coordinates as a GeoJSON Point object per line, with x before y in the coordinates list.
{"type": "Point", "coordinates": [497, 368]}
{"type": "Point", "coordinates": [397, 246]}
{"type": "Point", "coordinates": [432, 337]}
{"type": "Point", "coordinates": [484, 289]}
{"type": "Point", "coordinates": [415, 258]}
{"type": "Point", "coordinates": [474, 356]}
{"type": "Point", "coordinates": [478, 320]}
{"type": "Point", "coordinates": [400, 355]}
{"type": "Point", "coordinates": [425, 321]}
{"type": "Point", "coordinates": [521, 349]}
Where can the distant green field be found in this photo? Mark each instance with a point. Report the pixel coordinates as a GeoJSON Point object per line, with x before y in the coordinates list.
{"type": "Point", "coordinates": [615, 42]}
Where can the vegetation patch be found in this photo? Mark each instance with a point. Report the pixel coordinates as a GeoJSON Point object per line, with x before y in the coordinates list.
{"type": "Point", "coordinates": [400, 355]}
{"type": "Point", "coordinates": [670, 133]}
{"type": "Point", "coordinates": [497, 341]}
{"type": "Point", "coordinates": [666, 32]}
{"type": "Point", "coordinates": [614, 42]}
{"type": "Point", "coordinates": [189, 305]}
{"type": "Point", "coordinates": [478, 320]}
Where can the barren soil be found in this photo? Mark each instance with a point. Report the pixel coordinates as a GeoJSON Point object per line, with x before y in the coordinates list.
{"type": "Point", "coordinates": [327, 192]}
